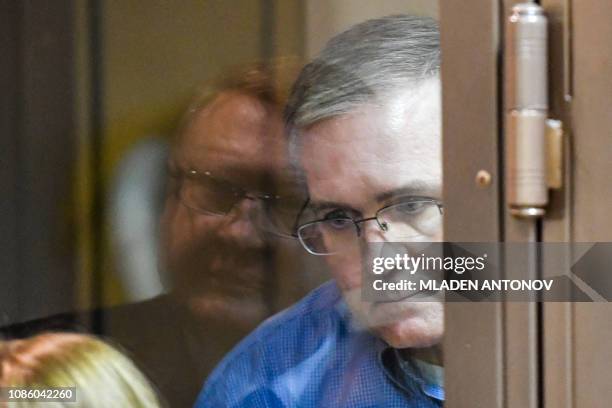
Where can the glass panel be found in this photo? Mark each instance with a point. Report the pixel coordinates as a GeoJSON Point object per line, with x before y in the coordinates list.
{"type": "Point", "coordinates": [231, 167]}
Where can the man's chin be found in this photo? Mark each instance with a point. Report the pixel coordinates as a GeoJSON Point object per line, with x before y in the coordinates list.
{"type": "Point", "coordinates": [404, 324]}
{"type": "Point", "coordinates": [218, 274]}
{"type": "Point", "coordinates": [404, 335]}
{"type": "Point", "coordinates": [244, 312]}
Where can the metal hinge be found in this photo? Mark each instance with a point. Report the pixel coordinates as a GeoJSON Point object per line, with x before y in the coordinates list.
{"type": "Point", "coordinates": [534, 143]}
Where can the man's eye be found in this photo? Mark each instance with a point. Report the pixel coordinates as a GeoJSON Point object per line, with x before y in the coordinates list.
{"type": "Point", "coordinates": [338, 219]}
{"type": "Point", "coordinates": [340, 223]}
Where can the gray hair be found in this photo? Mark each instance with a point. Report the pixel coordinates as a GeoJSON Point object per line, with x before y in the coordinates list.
{"type": "Point", "coordinates": [371, 60]}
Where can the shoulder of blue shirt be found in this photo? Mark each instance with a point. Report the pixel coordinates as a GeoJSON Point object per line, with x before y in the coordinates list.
{"type": "Point", "coordinates": [321, 304]}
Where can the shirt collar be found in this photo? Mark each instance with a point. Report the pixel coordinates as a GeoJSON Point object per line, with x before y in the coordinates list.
{"type": "Point", "coordinates": [405, 374]}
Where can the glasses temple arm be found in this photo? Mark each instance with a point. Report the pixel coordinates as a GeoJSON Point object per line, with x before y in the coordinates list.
{"type": "Point", "coordinates": [298, 216]}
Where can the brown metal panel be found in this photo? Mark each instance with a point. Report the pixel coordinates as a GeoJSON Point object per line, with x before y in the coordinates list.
{"type": "Point", "coordinates": [10, 18]}
{"type": "Point", "coordinates": [592, 98]}
{"type": "Point", "coordinates": [83, 178]}
{"type": "Point", "coordinates": [39, 77]}
{"type": "Point", "coordinates": [557, 317]}
{"type": "Point", "coordinates": [521, 332]}
{"type": "Point", "coordinates": [473, 339]}
{"type": "Point", "coordinates": [521, 354]}
{"type": "Point", "coordinates": [521, 319]}
{"type": "Point", "coordinates": [592, 355]}
{"type": "Point", "coordinates": [47, 157]}
{"type": "Point", "coordinates": [592, 121]}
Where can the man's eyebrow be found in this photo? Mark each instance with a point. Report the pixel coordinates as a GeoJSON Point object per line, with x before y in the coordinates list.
{"type": "Point", "coordinates": [415, 189]}
{"type": "Point", "coordinates": [323, 205]}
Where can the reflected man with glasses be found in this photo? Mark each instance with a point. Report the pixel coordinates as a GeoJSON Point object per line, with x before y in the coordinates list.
{"type": "Point", "coordinates": [364, 124]}
{"type": "Point", "coordinates": [231, 189]}
{"type": "Point", "coordinates": [231, 202]}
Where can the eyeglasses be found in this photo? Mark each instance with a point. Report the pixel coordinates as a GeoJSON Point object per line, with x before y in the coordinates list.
{"type": "Point", "coordinates": [416, 217]}
{"type": "Point", "coordinates": [203, 193]}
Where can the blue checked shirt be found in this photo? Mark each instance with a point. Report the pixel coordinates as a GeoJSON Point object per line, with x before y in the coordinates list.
{"type": "Point", "coordinates": [312, 355]}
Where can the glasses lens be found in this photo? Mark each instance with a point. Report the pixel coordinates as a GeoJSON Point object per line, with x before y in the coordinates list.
{"type": "Point", "coordinates": [279, 215]}
{"type": "Point", "coordinates": [328, 236]}
{"type": "Point", "coordinates": [311, 237]}
{"type": "Point", "coordinates": [412, 219]}
{"type": "Point", "coordinates": [207, 195]}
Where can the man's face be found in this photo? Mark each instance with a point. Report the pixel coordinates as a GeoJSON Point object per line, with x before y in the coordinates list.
{"type": "Point", "coordinates": [236, 140]}
{"type": "Point", "coordinates": [360, 162]}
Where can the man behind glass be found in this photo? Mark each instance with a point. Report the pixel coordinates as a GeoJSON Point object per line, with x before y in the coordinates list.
{"type": "Point", "coordinates": [364, 126]}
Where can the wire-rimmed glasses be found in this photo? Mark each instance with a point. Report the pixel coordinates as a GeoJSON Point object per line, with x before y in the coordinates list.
{"type": "Point", "coordinates": [204, 193]}
{"type": "Point", "coordinates": [409, 219]}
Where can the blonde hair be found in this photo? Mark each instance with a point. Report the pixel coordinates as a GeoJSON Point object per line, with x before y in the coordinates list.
{"type": "Point", "coordinates": [102, 376]}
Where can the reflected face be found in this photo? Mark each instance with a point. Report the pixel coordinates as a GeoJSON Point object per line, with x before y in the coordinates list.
{"type": "Point", "coordinates": [356, 164]}
{"type": "Point", "coordinates": [237, 140]}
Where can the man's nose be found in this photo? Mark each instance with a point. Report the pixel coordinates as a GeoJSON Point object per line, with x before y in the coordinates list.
{"type": "Point", "coordinates": [372, 232]}
{"type": "Point", "coordinates": [238, 224]}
